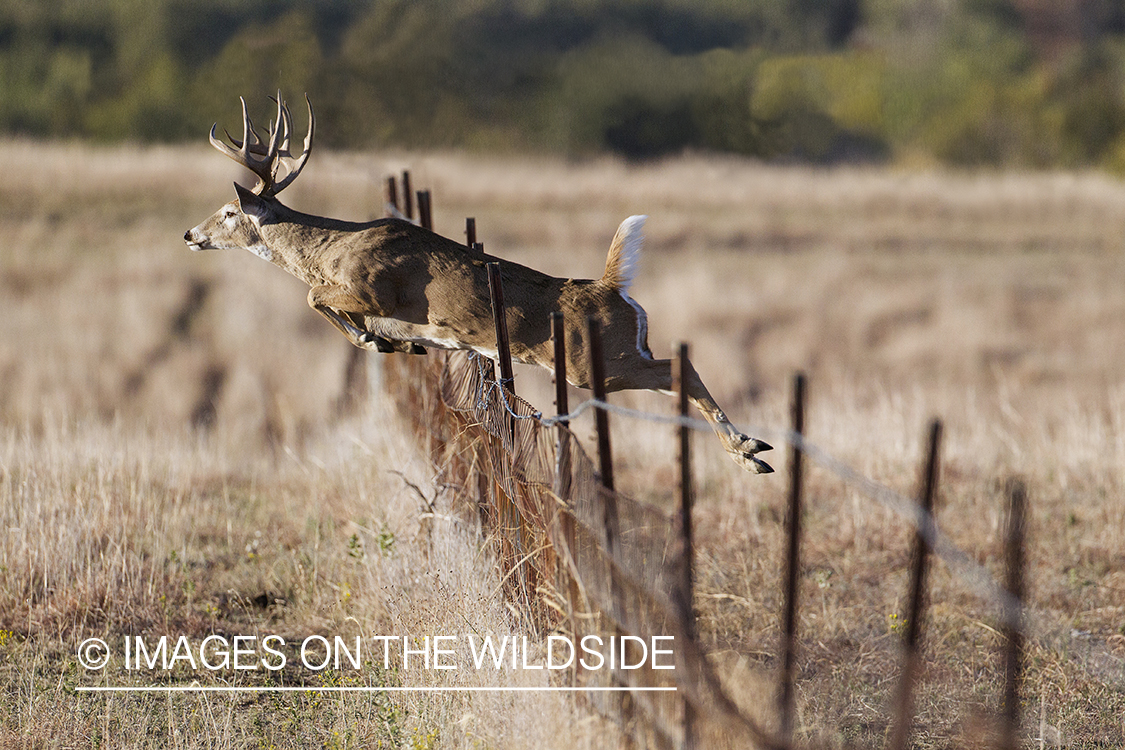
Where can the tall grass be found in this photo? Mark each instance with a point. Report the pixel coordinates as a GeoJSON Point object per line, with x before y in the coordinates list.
{"type": "Point", "coordinates": [173, 459]}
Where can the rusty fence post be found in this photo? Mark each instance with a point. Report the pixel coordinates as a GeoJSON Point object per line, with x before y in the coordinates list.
{"type": "Point", "coordinates": [792, 563]}
{"type": "Point", "coordinates": [392, 194]}
{"type": "Point", "coordinates": [407, 196]}
{"type": "Point", "coordinates": [425, 210]}
{"type": "Point", "coordinates": [563, 480]}
{"type": "Point", "coordinates": [558, 337]}
{"type": "Point", "coordinates": [605, 459]}
{"type": "Point", "coordinates": [601, 416]}
{"type": "Point", "coordinates": [503, 347]}
{"type": "Point", "coordinates": [916, 604]}
{"type": "Point", "coordinates": [1013, 608]}
{"type": "Point", "coordinates": [686, 589]}
{"type": "Point", "coordinates": [610, 520]}
{"type": "Point", "coordinates": [511, 520]}
{"type": "Point", "coordinates": [470, 231]}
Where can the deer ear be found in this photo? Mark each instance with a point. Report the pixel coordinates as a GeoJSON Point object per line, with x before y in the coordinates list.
{"type": "Point", "coordinates": [251, 204]}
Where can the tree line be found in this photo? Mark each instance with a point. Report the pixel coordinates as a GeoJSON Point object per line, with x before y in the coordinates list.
{"type": "Point", "coordinates": [976, 82]}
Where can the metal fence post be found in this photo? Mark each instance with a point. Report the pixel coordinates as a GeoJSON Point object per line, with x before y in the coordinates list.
{"type": "Point", "coordinates": [425, 210]}
{"type": "Point", "coordinates": [563, 479]}
{"type": "Point", "coordinates": [686, 588]}
{"type": "Point", "coordinates": [792, 563]}
{"type": "Point", "coordinates": [601, 417]}
{"type": "Point", "coordinates": [900, 732]}
{"type": "Point", "coordinates": [503, 348]}
{"type": "Point", "coordinates": [407, 196]}
{"type": "Point", "coordinates": [392, 194]}
{"type": "Point", "coordinates": [1013, 625]}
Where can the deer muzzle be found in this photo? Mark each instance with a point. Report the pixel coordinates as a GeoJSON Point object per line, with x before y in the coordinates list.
{"type": "Point", "coordinates": [195, 239]}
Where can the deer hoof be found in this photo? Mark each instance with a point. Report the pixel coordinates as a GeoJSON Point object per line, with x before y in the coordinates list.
{"type": "Point", "coordinates": [760, 466]}
{"type": "Point", "coordinates": [749, 446]}
{"type": "Point", "coordinates": [751, 463]}
{"type": "Point", "coordinates": [368, 340]}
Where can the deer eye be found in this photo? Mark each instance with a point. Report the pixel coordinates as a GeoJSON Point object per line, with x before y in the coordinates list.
{"type": "Point", "coordinates": [229, 213]}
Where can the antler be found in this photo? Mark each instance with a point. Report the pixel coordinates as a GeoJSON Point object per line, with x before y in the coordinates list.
{"type": "Point", "coordinates": [274, 154]}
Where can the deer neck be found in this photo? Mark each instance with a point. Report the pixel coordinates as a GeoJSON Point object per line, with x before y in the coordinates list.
{"type": "Point", "coordinates": [300, 243]}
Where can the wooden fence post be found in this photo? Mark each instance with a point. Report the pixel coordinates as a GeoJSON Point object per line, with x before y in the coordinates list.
{"type": "Point", "coordinates": [792, 564]}
{"type": "Point", "coordinates": [686, 589]}
{"type": "Point", "coordinates": [1013, 633]}
{"type": "Point", "coordinates": [900, 732]}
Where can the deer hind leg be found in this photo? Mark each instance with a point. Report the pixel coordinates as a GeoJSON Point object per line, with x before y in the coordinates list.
{"type": "Point", "coordinates": [648, 374]}
{"type": "Point", "coordinates": [336, 304]}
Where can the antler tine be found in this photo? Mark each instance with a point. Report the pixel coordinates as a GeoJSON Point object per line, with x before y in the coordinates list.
{"type": "Point", "coordinates": [275, 129]}
{"type": "Point", "coordinates": [272, 153]}
{"type": "Point", "coordinates": [242, 154]}
{"type": "Point", "coordinates": [255, 145]}
{"type": "Point", "coordinates": [300, 164]}
{"type": "Point", "coordinates": [248, 131]}
{"type": "Point", "coordinates": [280, 138]}
{"type": "Point", "coordinates": [287, 130]}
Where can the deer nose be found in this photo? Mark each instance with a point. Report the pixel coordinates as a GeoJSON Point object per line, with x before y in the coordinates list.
{"type": "Point", "coordinates": [187, 236]}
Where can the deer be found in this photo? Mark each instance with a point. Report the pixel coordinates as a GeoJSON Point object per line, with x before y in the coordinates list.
{"type": "Point", "coordinates": [390, 285]}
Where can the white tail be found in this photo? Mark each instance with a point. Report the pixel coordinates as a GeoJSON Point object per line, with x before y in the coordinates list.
{"type": "Point", "coordinates": [389, 285]}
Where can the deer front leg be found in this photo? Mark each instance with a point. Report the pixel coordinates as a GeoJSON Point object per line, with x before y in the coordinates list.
{"type": "Point", "coordinates": [739, 445]}
{"type": "Point", "coordinates": [648, 374]}
{"type": "Point", "coordinates": [328, 300]}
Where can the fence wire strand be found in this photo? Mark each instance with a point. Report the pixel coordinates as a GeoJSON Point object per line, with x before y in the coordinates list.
{"type": "Point", "coordinates": [540, 492]}
{"type": "Point", "coordinates": [1010, 610]}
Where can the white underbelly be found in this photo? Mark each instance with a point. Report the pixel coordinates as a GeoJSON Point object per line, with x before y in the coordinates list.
{"type": "Point", "coordinates": [437, 337]}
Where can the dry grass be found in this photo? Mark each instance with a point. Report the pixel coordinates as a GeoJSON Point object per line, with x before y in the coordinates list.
{"type": "Point", "coordinates": [172, 459]}
{"type": "Point", "coordinates": [114, 532]}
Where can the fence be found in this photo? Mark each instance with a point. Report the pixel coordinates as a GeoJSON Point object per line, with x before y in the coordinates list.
{"type": "Point", "coordinates": [576, 555]}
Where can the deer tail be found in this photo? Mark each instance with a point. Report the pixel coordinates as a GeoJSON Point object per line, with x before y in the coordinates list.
{"type": "Point", "coordinates": [624, 252]}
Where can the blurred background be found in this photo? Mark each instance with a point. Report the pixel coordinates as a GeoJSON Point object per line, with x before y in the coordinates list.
{"type": "Point", "coordinates": [968, 82]}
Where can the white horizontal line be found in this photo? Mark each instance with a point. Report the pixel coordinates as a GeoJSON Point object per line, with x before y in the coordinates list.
{"type": "Point", "coordinates": [286, 689]}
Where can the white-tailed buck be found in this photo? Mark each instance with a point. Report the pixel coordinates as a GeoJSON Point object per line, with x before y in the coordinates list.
{"type": "Point", "coordinates": [389, 285]}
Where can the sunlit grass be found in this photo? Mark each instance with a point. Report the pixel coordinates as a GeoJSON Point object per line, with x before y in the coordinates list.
{"type": "Point", "coordinates": [992, 301]}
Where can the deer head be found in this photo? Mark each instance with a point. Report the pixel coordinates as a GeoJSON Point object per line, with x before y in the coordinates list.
{"type": "Point", "coordinates": [238, 223]}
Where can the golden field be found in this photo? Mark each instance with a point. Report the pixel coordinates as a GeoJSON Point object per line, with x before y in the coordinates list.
{"type": "Point", "coordinates": [174, 458]}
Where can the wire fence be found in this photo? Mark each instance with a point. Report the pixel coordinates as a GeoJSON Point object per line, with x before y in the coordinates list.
{"type": "Point", "coordinates": [574, 555]}
{"type": "Point", "coordinates": [577, 556]}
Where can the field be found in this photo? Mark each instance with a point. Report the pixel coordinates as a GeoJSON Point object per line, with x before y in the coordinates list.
{"type": "Point", "coordinates": [178, 455]}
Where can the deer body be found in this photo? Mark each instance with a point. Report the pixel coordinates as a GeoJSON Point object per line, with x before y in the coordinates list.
{"type": "Point", "coordinates": [390, 285]}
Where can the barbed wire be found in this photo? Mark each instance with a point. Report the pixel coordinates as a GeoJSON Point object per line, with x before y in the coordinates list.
{"type": "Point", "coordinates": [1012, 611]}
